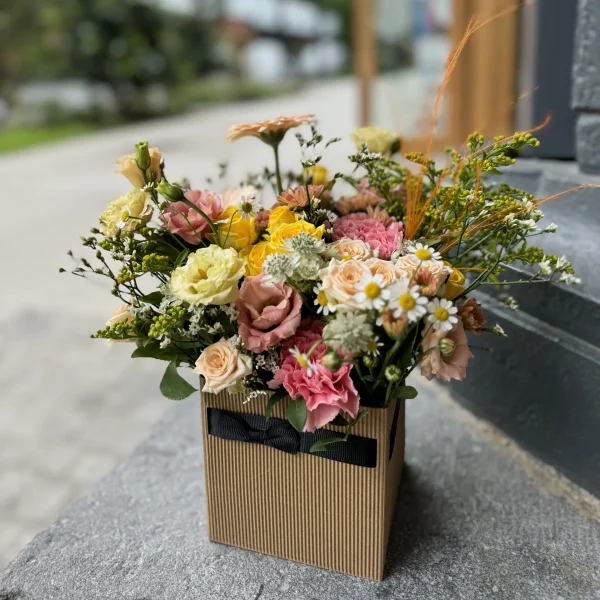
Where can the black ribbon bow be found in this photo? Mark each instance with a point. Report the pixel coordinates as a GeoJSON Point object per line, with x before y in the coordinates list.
{"type": "Point", "coordinates": [279, 434]}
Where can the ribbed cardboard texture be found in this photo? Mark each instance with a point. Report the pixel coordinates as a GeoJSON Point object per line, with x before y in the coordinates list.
{"type": "Point", "coordinates": [303, 507]}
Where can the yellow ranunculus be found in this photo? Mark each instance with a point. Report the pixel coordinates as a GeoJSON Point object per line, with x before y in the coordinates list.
{"type": "Point", "coordinates": [236, 232]}
{"type": "Point", "coordinates": [454, 285]}
{"type": "Point", "coordinates": [281, 215]}
{"type": "Point", "coordinates": [127, 165]}
{"type": "Point", "coordinates": [127, 213]}
{"type": "Point", "coordinates": [210, 276]}
{"type": "Point", "coordinates": [291, 229]}
{"type": "Point", "coordinates": [318, 175]}
{"type": "Point", "coordinates": [377, 139]}
{"type": "Point", "coordinates": [256, 255]}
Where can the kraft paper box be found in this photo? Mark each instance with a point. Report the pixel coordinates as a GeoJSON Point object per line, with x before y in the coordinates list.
{"type": "Point", "coordinates": [303, 507]}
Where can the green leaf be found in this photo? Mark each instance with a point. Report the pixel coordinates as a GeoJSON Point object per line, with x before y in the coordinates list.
{"type": "Point", "coordinates": [173, 386]}
{"type": "Point", "coordinates": [280, 394]}
{"type": "Point", "coordinates": [359, 417]}
{"type": "Point", "coordinates": [406, 392]}
{"type": "Point", "coordinates": [153, 350]}
{"type": "Point", "coordinates": [326, 444]}
{"type": "Point", "coordinates": [295, 413]}
{"type": "Point", "coordinates": [153, 298]}
{"type": "Point", "coordinates": [182, 257]}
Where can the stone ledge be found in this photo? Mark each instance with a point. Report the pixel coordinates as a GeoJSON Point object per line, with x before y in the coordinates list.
{"type": "Point", "coordinates": [471, 522]}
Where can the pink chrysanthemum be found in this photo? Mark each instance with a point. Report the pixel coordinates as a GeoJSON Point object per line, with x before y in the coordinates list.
{"type": "Point", "coordinates": [360, 226]}
{"type": "Point", "coordinates": [325, 393]}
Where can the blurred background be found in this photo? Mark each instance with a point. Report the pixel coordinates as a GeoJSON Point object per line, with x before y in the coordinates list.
{"type": "Point", "coordinates": [81, 81]}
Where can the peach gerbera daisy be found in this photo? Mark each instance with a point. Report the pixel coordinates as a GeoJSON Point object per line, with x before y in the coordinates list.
{"type": "Point", "coordinates": [269, 131]}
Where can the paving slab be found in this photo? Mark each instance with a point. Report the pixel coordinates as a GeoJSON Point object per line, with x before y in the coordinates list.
{"type": "Point", "coordinates": [476, 518]}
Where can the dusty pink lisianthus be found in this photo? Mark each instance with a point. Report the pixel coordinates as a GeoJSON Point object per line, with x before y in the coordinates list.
{"type": "Point", "coordinates": [325, 393]}
{"type": "Point", "coordinates": [359, 226]}
{"type": "Point", "coordinates": [267, 314]}
{"type": "Point", "coordinates": [189, 224]}
{"type": "Point", "coordinates": [446, 367]}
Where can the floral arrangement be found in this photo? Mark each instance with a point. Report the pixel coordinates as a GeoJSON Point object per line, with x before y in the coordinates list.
{"type": "Point", "coordinates": [336, 293]}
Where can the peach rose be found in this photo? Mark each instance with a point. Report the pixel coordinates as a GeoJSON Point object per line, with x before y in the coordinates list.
{"type": "Point", "coordinates": [386, 268]}
{"type": "Point", "coordinates": [355, 249]}
{"type": "Point", "coordinates": [340, 279]}
{"type": "Point", "coordinates": [222, 367]}
{"type": "Point", "coordinates": [446, 367]}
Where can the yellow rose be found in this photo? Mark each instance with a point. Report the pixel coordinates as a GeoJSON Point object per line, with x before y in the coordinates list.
{"type": "Point", "coordinates": [454, 285]}
{"type": "Point", "coordinates": [256, 255]}
{"type": "Point", "coordinates": [318, 175]}
{"type": "Point", "coordinates": [210, 276]}
{"type": "Point", "coordinates": [236, 232]}
{"type": "Point", "coordinates": [222, 367]}
{"type": "Point", "coordinates": [127, 165]}
{"type": "Point", "coordinates": [281, 215]}
{"type": "Point", "coordinates": [377, 139]}
{"type": "Point", "coordinates": [127, 213]}
{"type": "Point", "coordinates": [291, 229]}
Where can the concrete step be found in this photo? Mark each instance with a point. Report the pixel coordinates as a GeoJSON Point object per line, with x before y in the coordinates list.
{"type": "Point", "coordinates": [476, 518]}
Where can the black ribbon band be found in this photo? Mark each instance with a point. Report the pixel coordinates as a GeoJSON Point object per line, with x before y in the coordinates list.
{"type": "Point", "coordinates": [279, 434]}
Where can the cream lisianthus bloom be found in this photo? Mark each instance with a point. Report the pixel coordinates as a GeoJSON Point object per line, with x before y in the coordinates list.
{"type": "Point", "coordinates": [127, 166]}
{"type": "Point", "coordinates": [127, 213]}
{"type": "Point", "coordinates": [377, 139]}
{"type": "Point", "coordinates": [222, 367]}
{"type": "Point", "coordinates": [210, 276]}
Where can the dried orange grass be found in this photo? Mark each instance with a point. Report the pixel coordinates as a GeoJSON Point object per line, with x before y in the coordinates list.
{"type": "Point", "coordinates": [416, 205]}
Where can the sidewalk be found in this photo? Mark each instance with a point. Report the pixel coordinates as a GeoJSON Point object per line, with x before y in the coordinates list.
{"type": "Point", "coordinates": [72, 408]}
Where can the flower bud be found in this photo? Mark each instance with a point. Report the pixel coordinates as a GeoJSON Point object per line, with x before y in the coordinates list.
{"type": "Point", "coordinates": [331, 361]}
{"type": "Point", "coordinates": [142, 155]}
{"type": "Point", "coordinates": [395, 328]}
{"type": "Point", "coordinates": [392, 373]}
{"type": "Point", "coordinates": [370, 361]}
{"type": "Point", "coordinates": [170, 191]}
{"type": "Point", "coordinates": [446, 347]}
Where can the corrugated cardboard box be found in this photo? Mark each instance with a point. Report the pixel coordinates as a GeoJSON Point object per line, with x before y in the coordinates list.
{"type": "Point", "coordinates": [303, 507]}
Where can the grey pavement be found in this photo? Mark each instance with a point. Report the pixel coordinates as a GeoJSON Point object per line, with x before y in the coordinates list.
{"type": "Point", "coordinates": [72, 408]}
{"type": "Point", "coordinates": [475, 519]}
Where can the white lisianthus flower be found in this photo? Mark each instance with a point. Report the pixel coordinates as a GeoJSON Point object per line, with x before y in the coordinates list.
{"type": "Point", "coordinates": [210, 276]}
{"type": "Point", "coordinates": [127, 213]}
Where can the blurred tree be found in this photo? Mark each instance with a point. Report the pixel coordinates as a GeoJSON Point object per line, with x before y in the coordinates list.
{"type": "Point", "coordinates": [344, 9]}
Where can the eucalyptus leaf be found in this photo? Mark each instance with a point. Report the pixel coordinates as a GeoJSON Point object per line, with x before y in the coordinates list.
{"type": "Point", "coordinates": [295, 413]}
{"type": "Point", "coordinates": [153, 298]}
{"type": "Point", "coordinates": [326, 444]}
{"type": "Point", "coordinates": [173, 386]}
{"type": "Point", "coordinates": [406, 392]}
{"type": "Point", "coordinates": [280, 394]}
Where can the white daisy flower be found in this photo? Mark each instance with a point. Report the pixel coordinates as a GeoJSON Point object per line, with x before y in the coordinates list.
{"type": "Point", "coordinates": [442, 314]}
{"type": "Point", "coordinates": [324, 306]}
{"type": "Point", "coordinates": [304, 361]}
{"type": "Point", "coordinates": [371, 291]}
{"type": "Point", "coordinates": [424, 254]}
{"type": "Point", "coordinates": [249, 207]}
{"type": "Point", "coordinates": [373, 347]}
{"type": "Point", "coordinates": [545, 267]}
{"type": "Point", "coordinates": [407, 300]}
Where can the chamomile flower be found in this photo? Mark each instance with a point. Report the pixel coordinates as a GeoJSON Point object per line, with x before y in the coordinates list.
{"type": "Point", "coordinates": [322, 301]}
{"type": "Point", "coordinates": [304, 361]}
{"type": "Point", "coordinates": [249, 207]}
{"type": "Point", "coordinates": [373, 347]}
{"type": "Point", "coordinates": [424, 254]}
{"type": "Point", "coordinates": [371, 291]}
{"type": "Point", "coordinates": [442, 314]}
{"type": "Point", "coordinates": [407, 300]}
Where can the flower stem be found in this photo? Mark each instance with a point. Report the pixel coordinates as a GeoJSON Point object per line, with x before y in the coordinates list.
{"type": "Point", "coordinates": [278, 169]}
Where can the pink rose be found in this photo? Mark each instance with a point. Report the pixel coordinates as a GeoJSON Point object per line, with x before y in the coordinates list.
{"type": "Point", "coordinates": [446, 367]}
{"type": "Point", "coordinates": [189, 224]}
{"type": "Point", "coordinates": [325, 393]}
{"type": "Point", "coordinates": [267, 314]}
{"type": "Point", "coordinates": [359, 226]}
